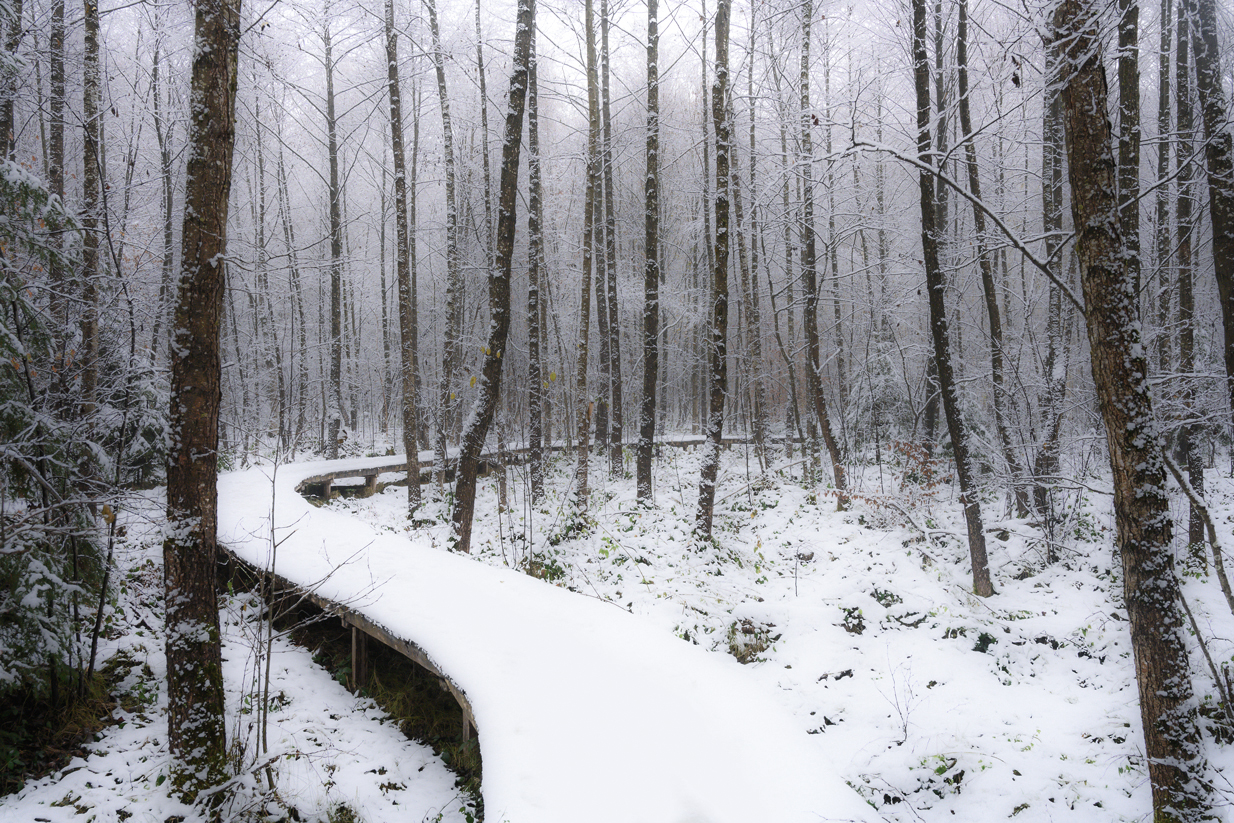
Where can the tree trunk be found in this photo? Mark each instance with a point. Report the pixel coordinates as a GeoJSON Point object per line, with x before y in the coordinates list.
{"type": "Point", "coordinates": [537, 387]}
{"type": "Point", "coordinates": [196, 720]}
{"type": "Point", "coordinates": [454, 274]}
{"type": "Point", "coordinates": [651, 266]}
{"type": "Point", "coordinates": [1176, 763]}
{"type": "Point", "coordinates": [334, 391]}
{"type": "Point", "coordinates": [718, 343]}
{"type": "Point", "coordinates": [1161, 212]}
{"type": "Point", "coordinates": [1219, 158]}
{"type": "Point", "coordinates": [584, 409]}
{"type": "Point", "coordinates": [809, 264]}
{"type": "Point", "coordinates": [489, 385]}
{"type": "Point", "coordinates": [986, 266]}
{"type": "Point", "coordinates": [402, 265]}
{"type": "Point", "coordinates": [935, 285]}
{"type": "Point", "coordinates": [1129, 131]}
{"type": "Point", "coordinates": [92, 164]}
{"type": "Point", "coordinates": [1188, 445]}
{"type": "Point", "coordinates": [616, 413]}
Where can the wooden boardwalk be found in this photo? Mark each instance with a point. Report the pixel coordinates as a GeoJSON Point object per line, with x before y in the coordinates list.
{"type": "Point", "coordinates": [583, 711]}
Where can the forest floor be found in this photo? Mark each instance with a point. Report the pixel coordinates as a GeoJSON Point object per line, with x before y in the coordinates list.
{"type": "Point", "coordinates": [936, 704]}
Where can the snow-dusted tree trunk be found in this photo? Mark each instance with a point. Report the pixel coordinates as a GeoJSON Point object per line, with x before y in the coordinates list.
{"type": "Point", "coordinates": [615, 389]}
{"type": "Point", "coordinates": [1219, 158]}
{"type": "Point", "coordinates": [489, 385]}
{"type": "Point", "coordinates": [92, 164]}
{"type": "Point", "coordinates": [1184, 217]}
{"type": "Point", "coordinates": [402, 266]}
{"type": "Point", "coordinates": [1176, 762]}
{"type": "Point", "coordinates": [809, 264]}
{"type": "Point", "coordinates": [651, 265]}
{"type": "Point", "coordinates": [584, 410]}
{"type": "Point", "coordinates": [717, 349]}
{"type": "Point", "coordinates": [1129, 129]}
{"type": "Point", "coordinates": [454, 275]}
{"type": "Point", "coordinates": [334, 391]}
{"type": "Point", "coordinates": [536, 385]}
{"type": "Point", "coordinates": [196, 722]}
{"type": "Point", "coordinates": [1160, 291]}
{"type": "Point", "coordinates": [936, 286]}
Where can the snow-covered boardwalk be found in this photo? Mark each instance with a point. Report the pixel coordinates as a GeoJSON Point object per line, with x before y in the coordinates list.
{"type": "Point", "coordinates": [583, 711]}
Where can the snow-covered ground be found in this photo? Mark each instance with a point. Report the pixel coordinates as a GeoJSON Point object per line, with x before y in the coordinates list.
{"type": "Point", "coordinates": [933, 704]}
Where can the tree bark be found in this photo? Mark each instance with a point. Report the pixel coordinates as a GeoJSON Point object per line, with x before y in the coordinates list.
{"type": "Point", "coordinates": [985, 264]}
{"type": "Point", "coordinates": [718, 343]}
{"type": "Point", "coordinates": [537, 387]}
{"type": "Point", "coordinates": [196, 721]}
{"type": "Point", "coordinates": [1176, 763]}
{"type": "Point", "coordinates": [935, 285]}
{"type": "Point", "coordinates": [454, 274]}
{"type": "Point", "coordinates": [651, 266]}
{"type": "Point", "coordinates": [616, 394]}
{"type": "Point", "coordinates": [334, 391]}
{"type": "Point", "coordinates": [1219, 159]}
{"type": "Point", "coordinates": [809, 264]}
{"type": "Point", "coordinates": [584, 409]}
{"type": "Point", "coordinates": [489, 385]}
{"type": "Point", "coordinates": [402, 265]}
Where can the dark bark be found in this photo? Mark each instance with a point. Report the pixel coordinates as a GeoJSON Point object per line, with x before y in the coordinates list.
{"type": "Point", "coordinates": [809, 265]}
{"type": "Point", "coordinates": [1176, 763]}
{"type": "Point", "coordinates": [718, 343]}
{"type": "Point", "coordinates": [334, 391]}
{"type": "Point", "coordinates": [196, 730]}
{"type": "Point", "coordinates": [585, 406]}
{"type": "Point", "coordinates": [537, 388]}
{"type": "Point", "coordinates": [489, 384]}
{"type": "Point", "coordinates": [91, 197]}
{"type": "Point", "coordinates": [1129, 130]}
{"type": "Point", "coordinates": [616, 413]}
{"type": "Point", "coordinates": [1219, 159]}
{"type": "Point", "coordinates": [986, 265]}
{"type": "Point", "coordinates": [651, 266]}
{"type": "Point", "coordinates": [935, 285]}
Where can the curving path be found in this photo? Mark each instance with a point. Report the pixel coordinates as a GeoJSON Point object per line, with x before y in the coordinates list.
{"type": "Point", "coordinates": [583, 712]}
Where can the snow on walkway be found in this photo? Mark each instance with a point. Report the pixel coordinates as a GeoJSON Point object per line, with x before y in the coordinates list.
{"type": "Point", "coordinates": [583, 711]}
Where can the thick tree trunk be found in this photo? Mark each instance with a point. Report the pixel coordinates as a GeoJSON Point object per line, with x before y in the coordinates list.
{"type": "Point", "coordinates": [718, 343]}
{"type": "Point", "coordinates": [196, 721]}
{"type": "Point", "coordinates": [651, 267]}
{"type": "Point", "coordinates": [1176, 763]}
{"type": "Point", "coordinates": [935, 285]}
{"type": "Point", "coordinates": [402, 266]}
{"type": "Point", "coordinates": [489, 385]}
{"type": "Point", "coordinates": [1161, 211]}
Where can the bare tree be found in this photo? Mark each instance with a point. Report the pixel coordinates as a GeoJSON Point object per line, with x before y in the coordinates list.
{"type": "Point", "coordinates": [809, 264]}
{"type": "Point", "coordinates": [717, 349]}
{"type": "Point", "coordinates": [651, 266]}
{"type": "Point", "coordinates": [402, 265]}
{"type": "Point", "coordinates": [938, 314]}
{"type": "Point", "coordinates": [489, 385]}
{"type": "Point", "coordinates": [584, 410]}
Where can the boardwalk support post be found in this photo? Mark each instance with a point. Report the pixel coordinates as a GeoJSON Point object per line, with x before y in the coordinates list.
{"type": "Point", "coordinates": [359, 658]}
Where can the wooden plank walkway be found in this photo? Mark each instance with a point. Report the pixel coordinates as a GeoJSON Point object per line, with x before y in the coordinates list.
{"type": "Point", "coordinates": [583, 711]}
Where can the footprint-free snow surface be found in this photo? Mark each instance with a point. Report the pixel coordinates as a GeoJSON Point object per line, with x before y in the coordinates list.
{"type": "Point", "coordinates": [583, 711]}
